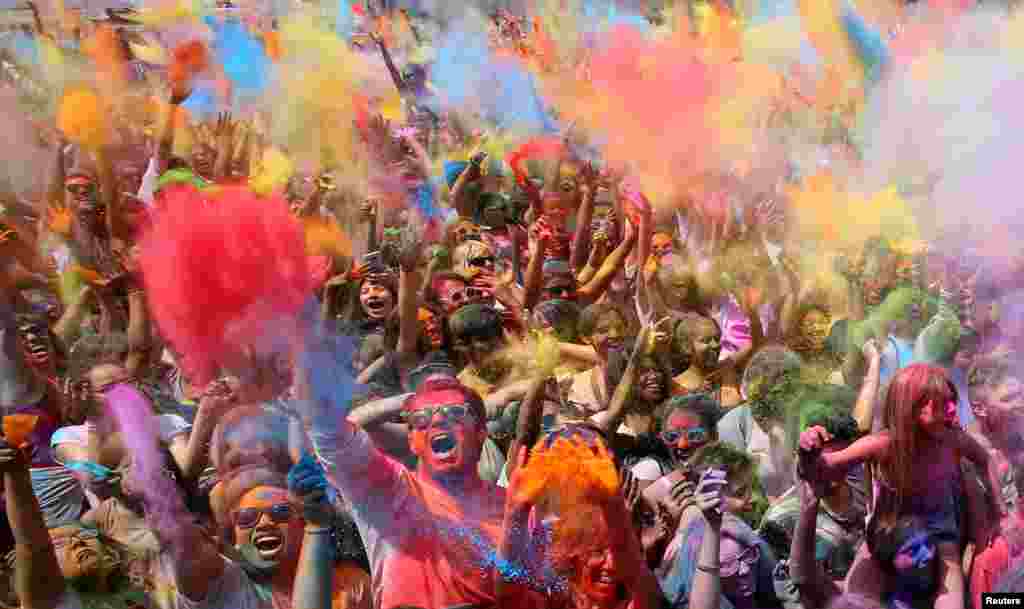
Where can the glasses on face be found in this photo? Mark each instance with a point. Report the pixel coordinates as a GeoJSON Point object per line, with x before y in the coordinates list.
{"type": "Point", "coordinates": [421, 419]}
{"type": "Point", "coordinates": [484, 262]}
{"type": "Point", "coordinates": [694, 435]}
{"type": "Point", "coordinates": [749, 557]}
{"type": "Point", "coordinates": [81, 189]}
{"type": "Point", "coordinates": [79, 536]}
{"type": "Point", "coordinates": [247, 518]}
{"type": "Point", "coordinates": [562, 293]}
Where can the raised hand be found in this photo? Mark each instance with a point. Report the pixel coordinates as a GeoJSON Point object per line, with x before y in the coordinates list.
{"type": "Point", "coordinates": [12, 460]}
{"type": "Point", "coordinates": [708, 496]}
{"type": "Point", "coordinates": [307, 483]}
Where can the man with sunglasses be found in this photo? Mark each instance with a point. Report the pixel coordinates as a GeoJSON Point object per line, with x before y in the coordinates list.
{"type": "Point", "coordinates": [430, 534]}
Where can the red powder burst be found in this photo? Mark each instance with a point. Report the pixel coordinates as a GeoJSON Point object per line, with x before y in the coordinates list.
{"type": "Point", "coordinates": [223, 273]}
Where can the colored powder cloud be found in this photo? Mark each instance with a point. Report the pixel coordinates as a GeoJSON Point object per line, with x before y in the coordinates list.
{"type": "Point", "coordinates": [470, 76]}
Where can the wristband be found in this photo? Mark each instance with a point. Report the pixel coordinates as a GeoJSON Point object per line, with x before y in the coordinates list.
{"type": "Point", "coordinates": [714, 570]}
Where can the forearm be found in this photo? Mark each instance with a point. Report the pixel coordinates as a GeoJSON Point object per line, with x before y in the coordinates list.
{"type": "Point", "coordinates": [864, 409]}
{"type": "Point", "coordinates": [581, 240]}
{"type": "Point", "coordinates": [534, 276]}
{"type": "Point", "coordinates": [138, 331]}
{"type": "Point", "coordinates": [604, 276]}
{"type": "Point", "coordinates": [378, 411]}
{"type": "Point", "coordinates": [69, 326]}
{"type": "Point", "coordinates": [408, 326]}
{"type": "Point", "coordinates": [36, 566]}
{"type": "Point", "coordinates": [804, 569]}
{"type": "Point", "coordinates": [620, 399]}
{"type": "Point", "coordinates": [314, 576]}
{"type": "Point", "coordinates": [528, 425]}
{"type": "Point", "coordinates": [706, 592]}
{"type": "Point", "coordinates": [197, 454]}
{"type": "Point", "coordinates": [55, 194]}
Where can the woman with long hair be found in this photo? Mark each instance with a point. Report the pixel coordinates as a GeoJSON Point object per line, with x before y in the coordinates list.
{"type": "Point", "coordinates": [916, 471]}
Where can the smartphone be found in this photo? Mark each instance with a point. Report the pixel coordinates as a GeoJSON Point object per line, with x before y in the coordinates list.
{"type": "Point", "coordinates": [374, 260]}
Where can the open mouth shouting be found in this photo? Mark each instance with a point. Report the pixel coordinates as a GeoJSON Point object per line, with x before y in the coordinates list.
{"type": "Point", "coordinates": [268, 544]}
{"type": "Point", "coordinates": [442, 444]}
{"type": "Point", "coordinates": [376, 307]}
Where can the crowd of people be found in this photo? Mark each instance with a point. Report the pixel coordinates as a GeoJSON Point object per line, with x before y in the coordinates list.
{"type": "Point", "coordinates": [433, 372]}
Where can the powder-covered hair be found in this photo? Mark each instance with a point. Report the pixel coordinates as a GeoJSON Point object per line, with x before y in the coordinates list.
{"type": "Point", "coordinates": [703, 405]}
{"type": "Point", "coordinates": [824, 405]}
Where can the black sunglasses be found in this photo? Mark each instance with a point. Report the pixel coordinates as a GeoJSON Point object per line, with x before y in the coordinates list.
{"type": "Point", "coordinates": [421, 419]}
{"type": "Point", "coordinates": [247, 518]}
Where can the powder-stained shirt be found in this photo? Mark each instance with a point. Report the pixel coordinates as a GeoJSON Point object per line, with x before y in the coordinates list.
{"type": "Point", "coordinates": [426, 548]}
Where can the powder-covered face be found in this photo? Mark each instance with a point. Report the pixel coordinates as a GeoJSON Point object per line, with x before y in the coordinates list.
{"type": "Point", "coordinates": [1001, 406]}
{"type": "Point", "coordinates": [683, 433]}
{"type": "Point", "coordinates": [608, 335]}
{"type": "Point", "coordinates": [451, 293]}
{"type": "Point", "coordinates": [739, 568]}
{"type": "Point", "coordinates": [661, 245]}
{"type": "Point", "coordinates": [600, 577]}
{"type": "Point", "coordinates": [430, 328]}
{"type": "Point", "coordinates": [376, 299]}
{"type": "Point", "coordinates": [814, 326]}
{"type": "Point", "coordinates": [707, 345]}
{"type": "Point", "coordinates": [445, 434]}
{"type": "Point", "coordinates": [79, 551]}
{"type": "Point", "coordinates": [651, 384]}
{"type": "Point", "coordinates": [83, 199]}
{"type": "Point", "coordinates": [936, 418]}
{"type": "Point", "coordinates": [266, 520]}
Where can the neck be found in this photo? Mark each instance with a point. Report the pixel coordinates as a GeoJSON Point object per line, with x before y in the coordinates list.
{"type": "Point", "coordinates": [456, 484]}
{"type": "Point", "coordinates": [640, 420]}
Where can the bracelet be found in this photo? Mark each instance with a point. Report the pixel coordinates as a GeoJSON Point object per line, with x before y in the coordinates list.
{"type": "Point", "coordinates": [320, 531]}
{"type": "Point", "coordinates": [708, 569]}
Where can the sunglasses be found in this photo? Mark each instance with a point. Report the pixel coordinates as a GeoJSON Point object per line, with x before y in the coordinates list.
{"type": "Point", "coordinates": [421, 419]}
{"type": "Point", "coordinates": [81, 535]}
{"type": "Point", "coordinates": [749, 557]}
{"type": "Point", "coordinates": [81, 189]}
{"type": "Point", "coordinates": [247, 518]}
{"type": "Point", "coordinates": [694, 435]}
{"type": "Point", "coordinates": [485, 262]}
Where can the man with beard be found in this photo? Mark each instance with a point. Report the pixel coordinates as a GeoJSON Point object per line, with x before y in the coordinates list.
{"type": "Point", "coordinates": [430, 534]}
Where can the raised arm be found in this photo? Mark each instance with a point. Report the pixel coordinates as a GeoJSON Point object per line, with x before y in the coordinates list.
{"type": "Point", "coordinates": [609, 420]}
{"type": "Point", "coordinates": [584, 216]}
{"type": "Point", "coordinates": [815, 587]}
{"type": "Point", "coordinates": [535, 269]}
{"type": "Point", "coordinates": [36, 570]}
{"type": "Point", "coordinates": [864, 409]}
{"type": "Point", "coordinates": [408, 293]}
{"type": "Point", "coordinates": [612, 264]}
{"type": "Point", "coordinates": [814, 464]}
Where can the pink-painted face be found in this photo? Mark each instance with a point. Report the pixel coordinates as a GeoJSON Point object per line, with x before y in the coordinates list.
{"type": "Point", "coordinates": [444, 433]}
{"type": "Point", "coordinates": [937, 418]}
